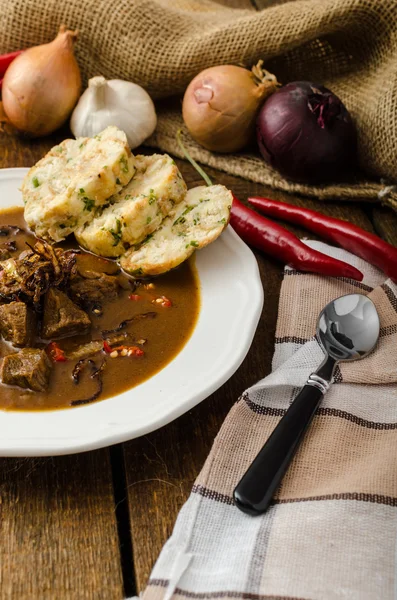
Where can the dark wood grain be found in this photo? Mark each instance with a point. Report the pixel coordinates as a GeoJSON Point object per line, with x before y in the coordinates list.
{"type": "Point", "coordinates": [58, 516]}
{"type": "Point", "coordinates": [161, 467]}
{"type": "Point", "coordinates": [58, 527]}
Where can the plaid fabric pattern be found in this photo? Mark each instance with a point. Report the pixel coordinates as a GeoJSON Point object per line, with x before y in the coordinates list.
{"type": "Point", "coordinates": [331, 532]}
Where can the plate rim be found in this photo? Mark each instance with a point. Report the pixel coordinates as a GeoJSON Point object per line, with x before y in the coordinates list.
{"type": "Point", "coordinates": [41, 446]}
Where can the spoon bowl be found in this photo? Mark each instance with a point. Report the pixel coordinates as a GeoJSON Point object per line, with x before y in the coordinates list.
{"type": "Point", "coordinates": [347, 329]}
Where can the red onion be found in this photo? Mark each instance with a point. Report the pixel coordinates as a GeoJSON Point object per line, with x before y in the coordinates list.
{"type": "Point", "coordinates": [306, 133]}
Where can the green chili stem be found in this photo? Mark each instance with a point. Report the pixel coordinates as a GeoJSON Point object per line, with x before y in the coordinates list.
{"type": "Point", "coordinates": [186, 154]}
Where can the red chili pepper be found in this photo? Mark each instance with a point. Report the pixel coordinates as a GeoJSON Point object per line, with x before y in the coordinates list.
{"type": "Point", "coordinates": [358, 241]}
{"type": "Point", "coordinates": [108, 349]}
{"type": "Point", "coordinates": [56, 353]}
{"type": "Point", "coordinates": [6, 60]}
{"type": "Point", "coordinates": [135, 350]}
{"type": "Point", "coordinates": [287, 247]}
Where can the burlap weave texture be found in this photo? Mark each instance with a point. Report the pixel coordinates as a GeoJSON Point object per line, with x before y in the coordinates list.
{"type": "Point", "coordinates": [349, 45]}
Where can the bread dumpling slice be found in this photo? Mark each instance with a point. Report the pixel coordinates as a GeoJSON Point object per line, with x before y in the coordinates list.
{"type": "Point", "coordinates": [193, 224]}
{"type": "Point", "coordinates": [137, 210]}
{"type": "Point", "coordinates": [62, 191]}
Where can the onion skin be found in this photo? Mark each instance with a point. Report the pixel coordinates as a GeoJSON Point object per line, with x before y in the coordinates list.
{"type": "Point", "coordinates": [42, 85]}
{"type": "Point", "coordinates": [306, 133]}
{"type": "Point", "coordinates": [221, 104]}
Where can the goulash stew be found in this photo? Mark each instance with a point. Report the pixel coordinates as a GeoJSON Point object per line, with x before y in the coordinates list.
{"type": "Point", "coordinates": [75, 329]}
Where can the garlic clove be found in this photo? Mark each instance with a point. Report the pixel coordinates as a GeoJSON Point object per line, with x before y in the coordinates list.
{"type": "Point", "coordinates": [114, 102]}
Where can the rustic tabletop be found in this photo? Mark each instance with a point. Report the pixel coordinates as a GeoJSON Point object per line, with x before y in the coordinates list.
{"type": "Point", "coordinates": [90, 526]}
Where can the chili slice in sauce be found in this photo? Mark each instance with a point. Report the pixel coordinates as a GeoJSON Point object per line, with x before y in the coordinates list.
{"type": "Point", "coordinates": [56, 353]}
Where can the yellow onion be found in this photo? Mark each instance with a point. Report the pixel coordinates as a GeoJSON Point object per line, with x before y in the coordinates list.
{"type": "Point", "coordinates": [42, 85]}
{"type": "Point", "coordinates": [221, 104]}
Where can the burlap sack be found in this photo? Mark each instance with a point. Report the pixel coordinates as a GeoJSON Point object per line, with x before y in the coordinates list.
{"type": "Point", "coordinates": [349, 45]}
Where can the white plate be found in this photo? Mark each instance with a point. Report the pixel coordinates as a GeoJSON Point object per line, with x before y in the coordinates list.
{"type": "Point", "coordinates": [231, 304]}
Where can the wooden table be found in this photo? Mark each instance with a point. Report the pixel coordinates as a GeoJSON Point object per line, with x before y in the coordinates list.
{"type": "Point", "coordinates": [90, 526]}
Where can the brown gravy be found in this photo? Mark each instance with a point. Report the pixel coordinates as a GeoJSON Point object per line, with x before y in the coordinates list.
{"type": "Point", "coordinates": [165, 335]}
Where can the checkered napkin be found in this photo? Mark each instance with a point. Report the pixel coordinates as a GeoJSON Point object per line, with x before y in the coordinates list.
{"type": "Point", "coordinates": [331, 531]}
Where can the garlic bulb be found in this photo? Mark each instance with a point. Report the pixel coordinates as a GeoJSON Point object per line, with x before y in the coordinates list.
{"type": "Point", "coordinates": [114, 102]}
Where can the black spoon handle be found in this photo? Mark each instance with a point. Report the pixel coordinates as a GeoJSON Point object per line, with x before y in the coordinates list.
{"type": "Point", "coordinates": [255, 490]}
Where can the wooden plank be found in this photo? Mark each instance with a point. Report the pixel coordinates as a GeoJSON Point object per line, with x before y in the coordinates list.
{"type": "Point", "coordinates": [58, 526]}
{"type": "Point", "coordinates": [161, 467]}
{"type": "Point", "coordinates": [59, 514]}
{"type": "Point", "coordinates": [58, 529]}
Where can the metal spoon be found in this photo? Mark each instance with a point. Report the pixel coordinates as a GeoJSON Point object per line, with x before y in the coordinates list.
{"type": "Point", "coordinates": [347, 329]}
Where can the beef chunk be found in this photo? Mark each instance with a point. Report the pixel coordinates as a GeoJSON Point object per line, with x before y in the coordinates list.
{"type": "Point", "coordinates": [6, 249]}
{"type": "Point", "coordinates": [17, 323]}
{"type": "Point", "coordinates": [94, 287]}
{"type": "Point", "coordinates": [28, 368]}
{"type": "Point", "coordinates": [62, 318]}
